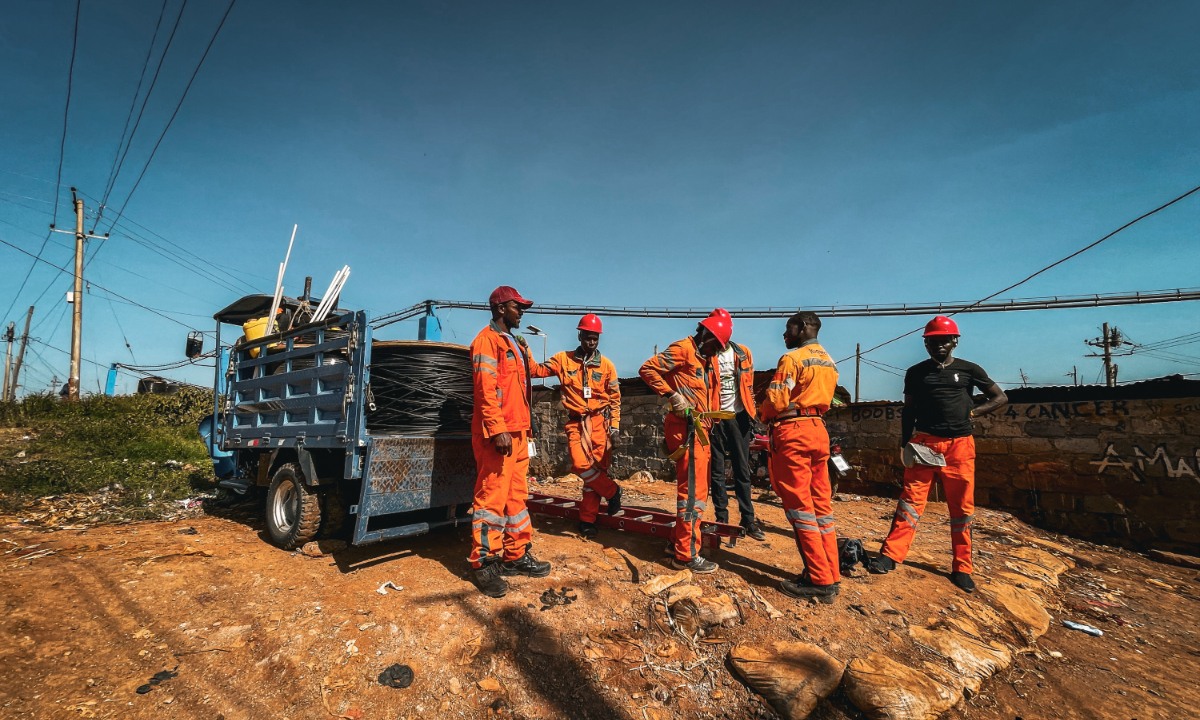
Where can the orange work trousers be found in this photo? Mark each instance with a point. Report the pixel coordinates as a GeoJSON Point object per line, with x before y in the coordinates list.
{"type": "Point", "coordinates": [590, 458]}
{"type": "Point", "coordinates": [500, 521]}
{"type": "Point", "coordinates": [958, 480]}
{"type": "Point", "coordinates": [687, 522]}
{"type": "Point", "coordinates": [800, 477]}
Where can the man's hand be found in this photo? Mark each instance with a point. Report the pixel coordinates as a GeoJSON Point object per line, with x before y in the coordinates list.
{"type": "Point", "coordinates": [614, 437]}
{"type": "Point", "coordinates": [503, 443]}
{"type": "Point", "coordinates": [678, 403]}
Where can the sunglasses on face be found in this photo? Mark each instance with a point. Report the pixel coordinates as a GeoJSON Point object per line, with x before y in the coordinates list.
{"type": "Point", "coordinates": [938, 341]}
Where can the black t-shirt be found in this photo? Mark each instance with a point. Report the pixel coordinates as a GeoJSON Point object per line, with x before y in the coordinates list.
{"type": "Point", "coordinates": [941, 397]}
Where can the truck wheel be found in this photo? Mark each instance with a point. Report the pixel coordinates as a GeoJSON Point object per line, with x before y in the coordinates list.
{"type": "Point", "coordinates": [293, 511]}
{"type": "Point", "coordinates": [333, 513]}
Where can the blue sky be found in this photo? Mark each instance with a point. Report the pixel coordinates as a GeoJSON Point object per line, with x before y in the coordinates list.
{"type": "Point", "coordinates": [620, 154]}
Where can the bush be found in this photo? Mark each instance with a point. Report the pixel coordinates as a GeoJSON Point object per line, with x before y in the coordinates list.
{"type": "Point", "coordinates": [144, 443]}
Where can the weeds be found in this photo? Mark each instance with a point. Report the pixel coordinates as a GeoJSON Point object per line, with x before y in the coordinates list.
{"type": "Point", "coordinates": [146, 445]}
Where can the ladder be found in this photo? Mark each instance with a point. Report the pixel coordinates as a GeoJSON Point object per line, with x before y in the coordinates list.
{"type": "Point", "coordinates": [642, 521]}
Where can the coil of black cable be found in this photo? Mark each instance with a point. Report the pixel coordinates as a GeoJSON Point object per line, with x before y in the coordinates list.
{"type": "Point", "coordinates": [420, 388]}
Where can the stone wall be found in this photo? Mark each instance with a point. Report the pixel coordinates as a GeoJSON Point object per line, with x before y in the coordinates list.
{"type": "Point", "coordinates": [641, 436]}
{"type": "Point", "coordinates": [1115, 469]}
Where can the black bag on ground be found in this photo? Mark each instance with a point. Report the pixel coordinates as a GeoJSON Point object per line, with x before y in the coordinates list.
{"type": "Point", "coordinates": [851, 553]}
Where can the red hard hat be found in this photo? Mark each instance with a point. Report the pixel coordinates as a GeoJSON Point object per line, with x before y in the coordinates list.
{"type": "Point", "coordinates": [504, 293]}
{"type": "Point", "coordinates": [721, 312]}
{"type": "Point", "coordinates": [719, 326]}
{"type": "Point", "coordinates": [591, 323]}
{"type": "Point", "coordinates": [941, 325]}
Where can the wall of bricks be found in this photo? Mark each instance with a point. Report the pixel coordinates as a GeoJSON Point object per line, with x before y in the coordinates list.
{"type": "Point", "coordinates": [1122, 471]}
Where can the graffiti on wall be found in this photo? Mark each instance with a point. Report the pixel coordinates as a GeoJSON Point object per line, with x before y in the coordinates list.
{"type": "Point", "coordinates": [1035, 411]}
{"type": "Point", "coordinates": [1137, 461]}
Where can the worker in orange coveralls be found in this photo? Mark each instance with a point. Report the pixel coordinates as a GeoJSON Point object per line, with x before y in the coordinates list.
{"type": "Point", "coordinates": [592, 398]}
{"type": "Point", "coordinates": [502, 441]}
{"type": "Point", "coordinates": [937, 422]}
{"type": "Point", "coordinates": [798, 396]}
{"type": "Point", "coordinates": [686, 374]}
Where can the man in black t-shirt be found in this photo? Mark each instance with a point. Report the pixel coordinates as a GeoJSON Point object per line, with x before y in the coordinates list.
{"type": "Point", "coordinates": [937, 422]}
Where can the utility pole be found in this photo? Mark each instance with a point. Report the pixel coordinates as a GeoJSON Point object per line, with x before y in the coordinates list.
{"type": "Point", "coordinates": [9, 334]}
{"type": "Point", "coordinates": [1110, 340]}
{"type": "Point", "coordinates": [1024, 378]}
{"type": "Point", "coordinates": [77, 310]}
{"type": "Point", "coordinates": [16, 373]}
{"type": "Point", "coordinates": [77, 295]}
{"type": "Point", "coordinates": [857, 367]}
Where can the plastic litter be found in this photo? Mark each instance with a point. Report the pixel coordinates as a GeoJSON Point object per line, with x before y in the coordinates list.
{"type": "Point", "coordinates": [159, 678]}
{"type": "Point", "coordinates": [396, 676]}
{"type": "Point", "coordinates": [1097, 632]}
{"type": "Point", "coordinates": [382, 589]}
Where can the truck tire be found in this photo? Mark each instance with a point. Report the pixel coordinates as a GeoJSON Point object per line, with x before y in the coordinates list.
{"type": "Point", "coordinates": [333, 513]}
{"type": "Point", "coordinates": [293, 511]}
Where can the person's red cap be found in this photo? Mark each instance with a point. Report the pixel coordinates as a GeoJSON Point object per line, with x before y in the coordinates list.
{"type": "Point", "coordinates": [504, 293]}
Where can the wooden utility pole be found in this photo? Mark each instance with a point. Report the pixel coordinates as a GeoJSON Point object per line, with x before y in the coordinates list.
{"type": "Point", "coordinates": [857, 367]}
{"type": "Point", "coordinates": [16, 374]}
{"type": "Point", "coordinates": [77, 310]}
{"type": "Point", "coordinates": [9, 333]}
{"type": "Point", "coordinates": [1108, 341]}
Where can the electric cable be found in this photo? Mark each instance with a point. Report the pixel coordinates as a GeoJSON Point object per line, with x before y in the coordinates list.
{"type": "Point", "coordinates": [114, 294]}
{"type": "Point", "coordinates": [112, 171]}
{"type": "Point", "coordinates": [173, 114]}
{"type": "Point", "coordinates": [150, 90]}
{"type": "Point", "coordinates": [62, 146]}
{"type": "Point", "coordinates": [1039, 272]}
{"type": "Point", "coordinates": [421, 388]}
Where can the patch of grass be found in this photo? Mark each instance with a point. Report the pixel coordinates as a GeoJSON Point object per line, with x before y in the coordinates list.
{"type": "Point", "coordinates": [146, 444]}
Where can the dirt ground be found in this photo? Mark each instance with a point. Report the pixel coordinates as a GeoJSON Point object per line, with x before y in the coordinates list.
{"type": "Point", "coordinates": [250, 631]}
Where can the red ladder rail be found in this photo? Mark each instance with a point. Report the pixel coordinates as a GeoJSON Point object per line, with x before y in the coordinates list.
{"type": "Point", "coordinates": [643, 521]}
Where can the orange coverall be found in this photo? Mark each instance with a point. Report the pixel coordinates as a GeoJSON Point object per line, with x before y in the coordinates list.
{"type": "Point", "coordinates": [500, 521]}
{"type": "Point", "coordinates": [588, 421]}
{"type": "Point", "coordinates": [958, 480]}
{"type": "Point", "coordinates": [682, 369]}
{"type": "Point", "coordinates": [804, 382]}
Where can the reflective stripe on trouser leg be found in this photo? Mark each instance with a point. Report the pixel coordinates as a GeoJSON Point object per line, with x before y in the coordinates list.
{"type": "Point", "coordinates": [822, 498]}
{"type": "Point", "coordinates": [687, 530]}
{"type": "Point", "coordinates": [913, 497]}
{"type": "Point", "coordinates": [959, 481]}
{"type": "Point", "coordinates": [500, 521]}
{"type": "Point", "coordinates": [596, 483]}
{"type": "Point", "coordinates": [801, 448]}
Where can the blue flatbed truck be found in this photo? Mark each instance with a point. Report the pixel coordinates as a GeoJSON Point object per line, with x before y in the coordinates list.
{"type": "Point", "coordinates": [291, 416]}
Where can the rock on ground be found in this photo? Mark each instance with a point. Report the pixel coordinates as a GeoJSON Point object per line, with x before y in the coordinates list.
{"type": "Point", "coordinates": [886, 690]}
{"type": "Point", "coordinates": [792, 676]}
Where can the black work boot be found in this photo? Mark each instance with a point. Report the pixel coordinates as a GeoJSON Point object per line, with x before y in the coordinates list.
{"type": "Point", "coordinates": [800, 588]}
{"type": "Point", "coordinates": [614, 502]}
{"type": "Point", "coordinates": [754, 531]}
{"type": "Point", "coordinates": [962, 581]}
{"type": "Point", "coordinates": [698, 565]}
{"type": "Point", "coordinates": [881, 565]}
{"type": "Point", "coordinates": [527, 565]}
{"type": "Point", "coordinates": [588, 530]}
{"type": "Point", "coordinates": [487, 577]}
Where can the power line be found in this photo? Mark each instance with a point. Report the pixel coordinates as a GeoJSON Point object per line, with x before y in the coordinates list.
{"type": "Point", "coordinates": [112, 171]}
{"type": "Point", "coordinates": [1051, 265]}
{"type": "Point", "coordinates": [62, 146]}
{"type": "Point", "coordinates": [142, 110]}
{"type": "Point", "coordinates": [177, 107]}
{"type": "Point", "coordinates": [99, 287]}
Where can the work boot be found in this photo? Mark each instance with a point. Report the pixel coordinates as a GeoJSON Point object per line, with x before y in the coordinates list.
{"type": "Point", "coordinates": [799, 588]}
{"type": "Point", "coordinates": [881, 565]}
{"type": "Point", "coordinates": [588, 530]}
{"type": "Point", "coordinates": [698, 565]}
{"type": "Point", "coordinates": [962, 581]}
{"type": "Point", "coordinates": [527, 565]}
{"type": "Point", "coordinates": [754, 531]}
{"type": "Point", "coordinates": [487, 577]}
{"type": "Point", "coordinates": [614, 502]}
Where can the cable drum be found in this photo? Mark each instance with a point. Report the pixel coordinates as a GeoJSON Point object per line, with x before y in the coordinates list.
{"type": "Point", "coordinates": [420, 388]}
